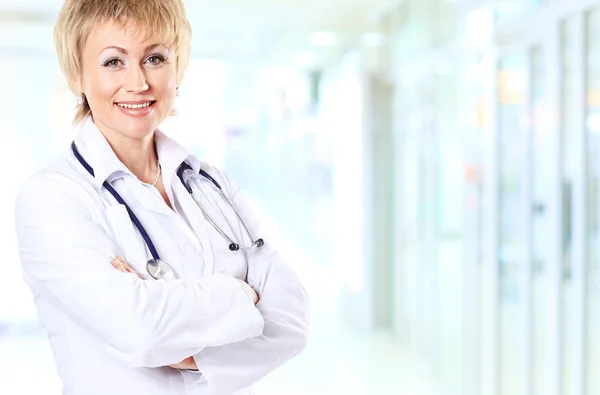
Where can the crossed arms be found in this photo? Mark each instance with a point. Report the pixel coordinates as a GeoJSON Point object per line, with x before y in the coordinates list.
{"type": "Point", "coordinates": [65, 256]}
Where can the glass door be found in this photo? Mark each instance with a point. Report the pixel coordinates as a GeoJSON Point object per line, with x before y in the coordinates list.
{"type": "Point", "coordinates": [548, 173]}
{"type": "Point", "coordinates": [571, 138]}
{"type": "Point", "coordinates": [529, 226]}
{"type": "Point", "coordinates": [512, 243]}
{"type": "Point", "coordinates": [545, 223]}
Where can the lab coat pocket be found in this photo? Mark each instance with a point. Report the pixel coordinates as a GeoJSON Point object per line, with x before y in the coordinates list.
{"type": "Point", "coordinates": [126, 236]}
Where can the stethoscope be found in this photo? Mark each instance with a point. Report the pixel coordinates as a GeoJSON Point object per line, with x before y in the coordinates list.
{"type": "Point", "coordinates": [157, 268]}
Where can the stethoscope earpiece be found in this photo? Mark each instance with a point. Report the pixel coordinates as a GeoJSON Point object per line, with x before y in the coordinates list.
{"type": "Point", "coordinates": [259, 242]}
{"type": "Point", "coordinates": [234, 247]}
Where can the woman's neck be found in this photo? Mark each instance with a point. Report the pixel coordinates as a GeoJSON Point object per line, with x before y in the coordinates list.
{"type": "Point", "coordinates": [138, 155]}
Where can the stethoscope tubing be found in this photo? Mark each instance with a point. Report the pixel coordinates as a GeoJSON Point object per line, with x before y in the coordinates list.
{"type": "Point", "coordinates": [119, 199]}
{"type": "Point", "coordinates": [233, 246]}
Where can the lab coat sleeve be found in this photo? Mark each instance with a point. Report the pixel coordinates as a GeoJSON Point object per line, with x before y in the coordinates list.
{"type": "Point", "coordinates": [284, 305]}
{"type": "Point", "coordinates": [66, 256]}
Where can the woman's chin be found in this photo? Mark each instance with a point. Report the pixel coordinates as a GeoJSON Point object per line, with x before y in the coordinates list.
{"type": "Point", "coordinates": [138, 127]}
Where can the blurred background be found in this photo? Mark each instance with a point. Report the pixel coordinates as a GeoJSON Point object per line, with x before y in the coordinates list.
{"type": "Point", "coordinates": [431, 167]}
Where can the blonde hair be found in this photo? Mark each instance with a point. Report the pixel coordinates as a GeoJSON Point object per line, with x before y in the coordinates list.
{"type": "Point", "coordinates": [165, 19]}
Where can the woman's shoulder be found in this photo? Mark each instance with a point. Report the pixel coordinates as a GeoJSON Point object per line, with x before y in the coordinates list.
{"type": "Point", "coordinates": [212, 170]}
{"type": "Point", "coordinates": [219, 174]}
{"type": "Point", "coordinates": [57, 180]}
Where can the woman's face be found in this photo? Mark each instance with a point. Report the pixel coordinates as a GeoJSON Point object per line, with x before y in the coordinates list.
{"type": "Point", "coordinates": [130, 85]}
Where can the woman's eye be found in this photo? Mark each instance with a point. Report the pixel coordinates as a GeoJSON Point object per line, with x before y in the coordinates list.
{"type": "Point", "coordinates": [112, 63]}
{"type": "Point", "coordinates": [155, 60]}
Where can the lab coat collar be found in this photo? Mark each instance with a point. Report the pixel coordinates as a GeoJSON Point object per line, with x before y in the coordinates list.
{"type": "Point", "coordinates": [107, 167]}
{"type": "Point", "coordinates": [171, 154]}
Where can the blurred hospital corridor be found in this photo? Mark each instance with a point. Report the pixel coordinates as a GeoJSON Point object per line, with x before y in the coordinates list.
{"type": "Point", "coordinates": [430, 168]}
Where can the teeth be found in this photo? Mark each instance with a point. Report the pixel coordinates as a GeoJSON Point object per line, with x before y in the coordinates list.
{"type": "Point", "coordinates": [134, 106]}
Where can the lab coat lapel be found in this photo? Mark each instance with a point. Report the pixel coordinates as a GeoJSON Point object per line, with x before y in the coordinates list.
{"type": "Point", "coordinates": [171, 154]}
{"type": "Point", "coordinates": [98, 153]}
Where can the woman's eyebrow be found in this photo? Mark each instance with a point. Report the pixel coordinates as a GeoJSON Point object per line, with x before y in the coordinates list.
{"type": "Point", "coordinates": [124, 51]}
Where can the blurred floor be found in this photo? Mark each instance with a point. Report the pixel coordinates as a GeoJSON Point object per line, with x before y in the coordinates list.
{"type": "Point", "coordinates": [341, 361]}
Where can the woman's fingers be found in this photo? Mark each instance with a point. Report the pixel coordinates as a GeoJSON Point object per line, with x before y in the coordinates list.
{"type": "Point", "coordinates": [124, 265]}
{"type": "Point", "coordinates": [132, 271]}
{"type": "Point", "coordinates": [119, 263]}
{"type": "Point", "coordinates": [249, 291]}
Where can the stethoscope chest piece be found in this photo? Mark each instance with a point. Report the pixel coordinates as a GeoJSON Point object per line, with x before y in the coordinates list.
{"type": "Point", "coordinates": [160, 270]}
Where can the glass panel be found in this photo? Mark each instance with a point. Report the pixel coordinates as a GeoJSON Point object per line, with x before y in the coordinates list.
{"type": "Point", "coordinates": [568, 166]}
{"type": "Point", "coordinates": [428, 171]}
{"type": "Point", "coordinates": [512, 168]}
{"type": "Point", "coordinates": [409, 221]}
{"type": "Point", "coordinates": [542, 151]}
{"type": "Point", "coordinates": [449, 229]}
{"type": "Point", "coordinates": [593, 176]}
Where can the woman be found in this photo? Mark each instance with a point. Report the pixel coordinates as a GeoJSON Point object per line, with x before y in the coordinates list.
{"type": "Point", "coordinates": [217, 318]}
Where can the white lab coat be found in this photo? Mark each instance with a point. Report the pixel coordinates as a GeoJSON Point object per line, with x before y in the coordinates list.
{"type": "Point", "coordinates": [112, 333]}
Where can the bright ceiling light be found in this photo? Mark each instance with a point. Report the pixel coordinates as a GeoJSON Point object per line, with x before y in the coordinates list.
{"type": "Point", "coordinates": [323, 39]}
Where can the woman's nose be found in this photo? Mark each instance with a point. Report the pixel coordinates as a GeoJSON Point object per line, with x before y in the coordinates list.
{"type": "Point", "coordinates": [135, 79]}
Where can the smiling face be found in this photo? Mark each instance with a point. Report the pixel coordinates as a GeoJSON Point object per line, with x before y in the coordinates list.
{"type": "Point", "coordinates": [129, 83]}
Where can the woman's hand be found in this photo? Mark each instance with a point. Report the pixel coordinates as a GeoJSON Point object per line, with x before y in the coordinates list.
{"type": "Point", "coordinates": [119, 263]}
{"type": "Point", "coordinates": [249, 291]}
{"type": "Point", "coordinates": [186, 364]}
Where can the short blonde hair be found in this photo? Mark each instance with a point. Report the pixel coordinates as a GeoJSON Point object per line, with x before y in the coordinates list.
{"type": "Point", "coordinates": [165, 19]}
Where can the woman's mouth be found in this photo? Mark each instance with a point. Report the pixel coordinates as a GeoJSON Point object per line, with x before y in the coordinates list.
{"type": "Point", "coordinates": [137, 109]}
